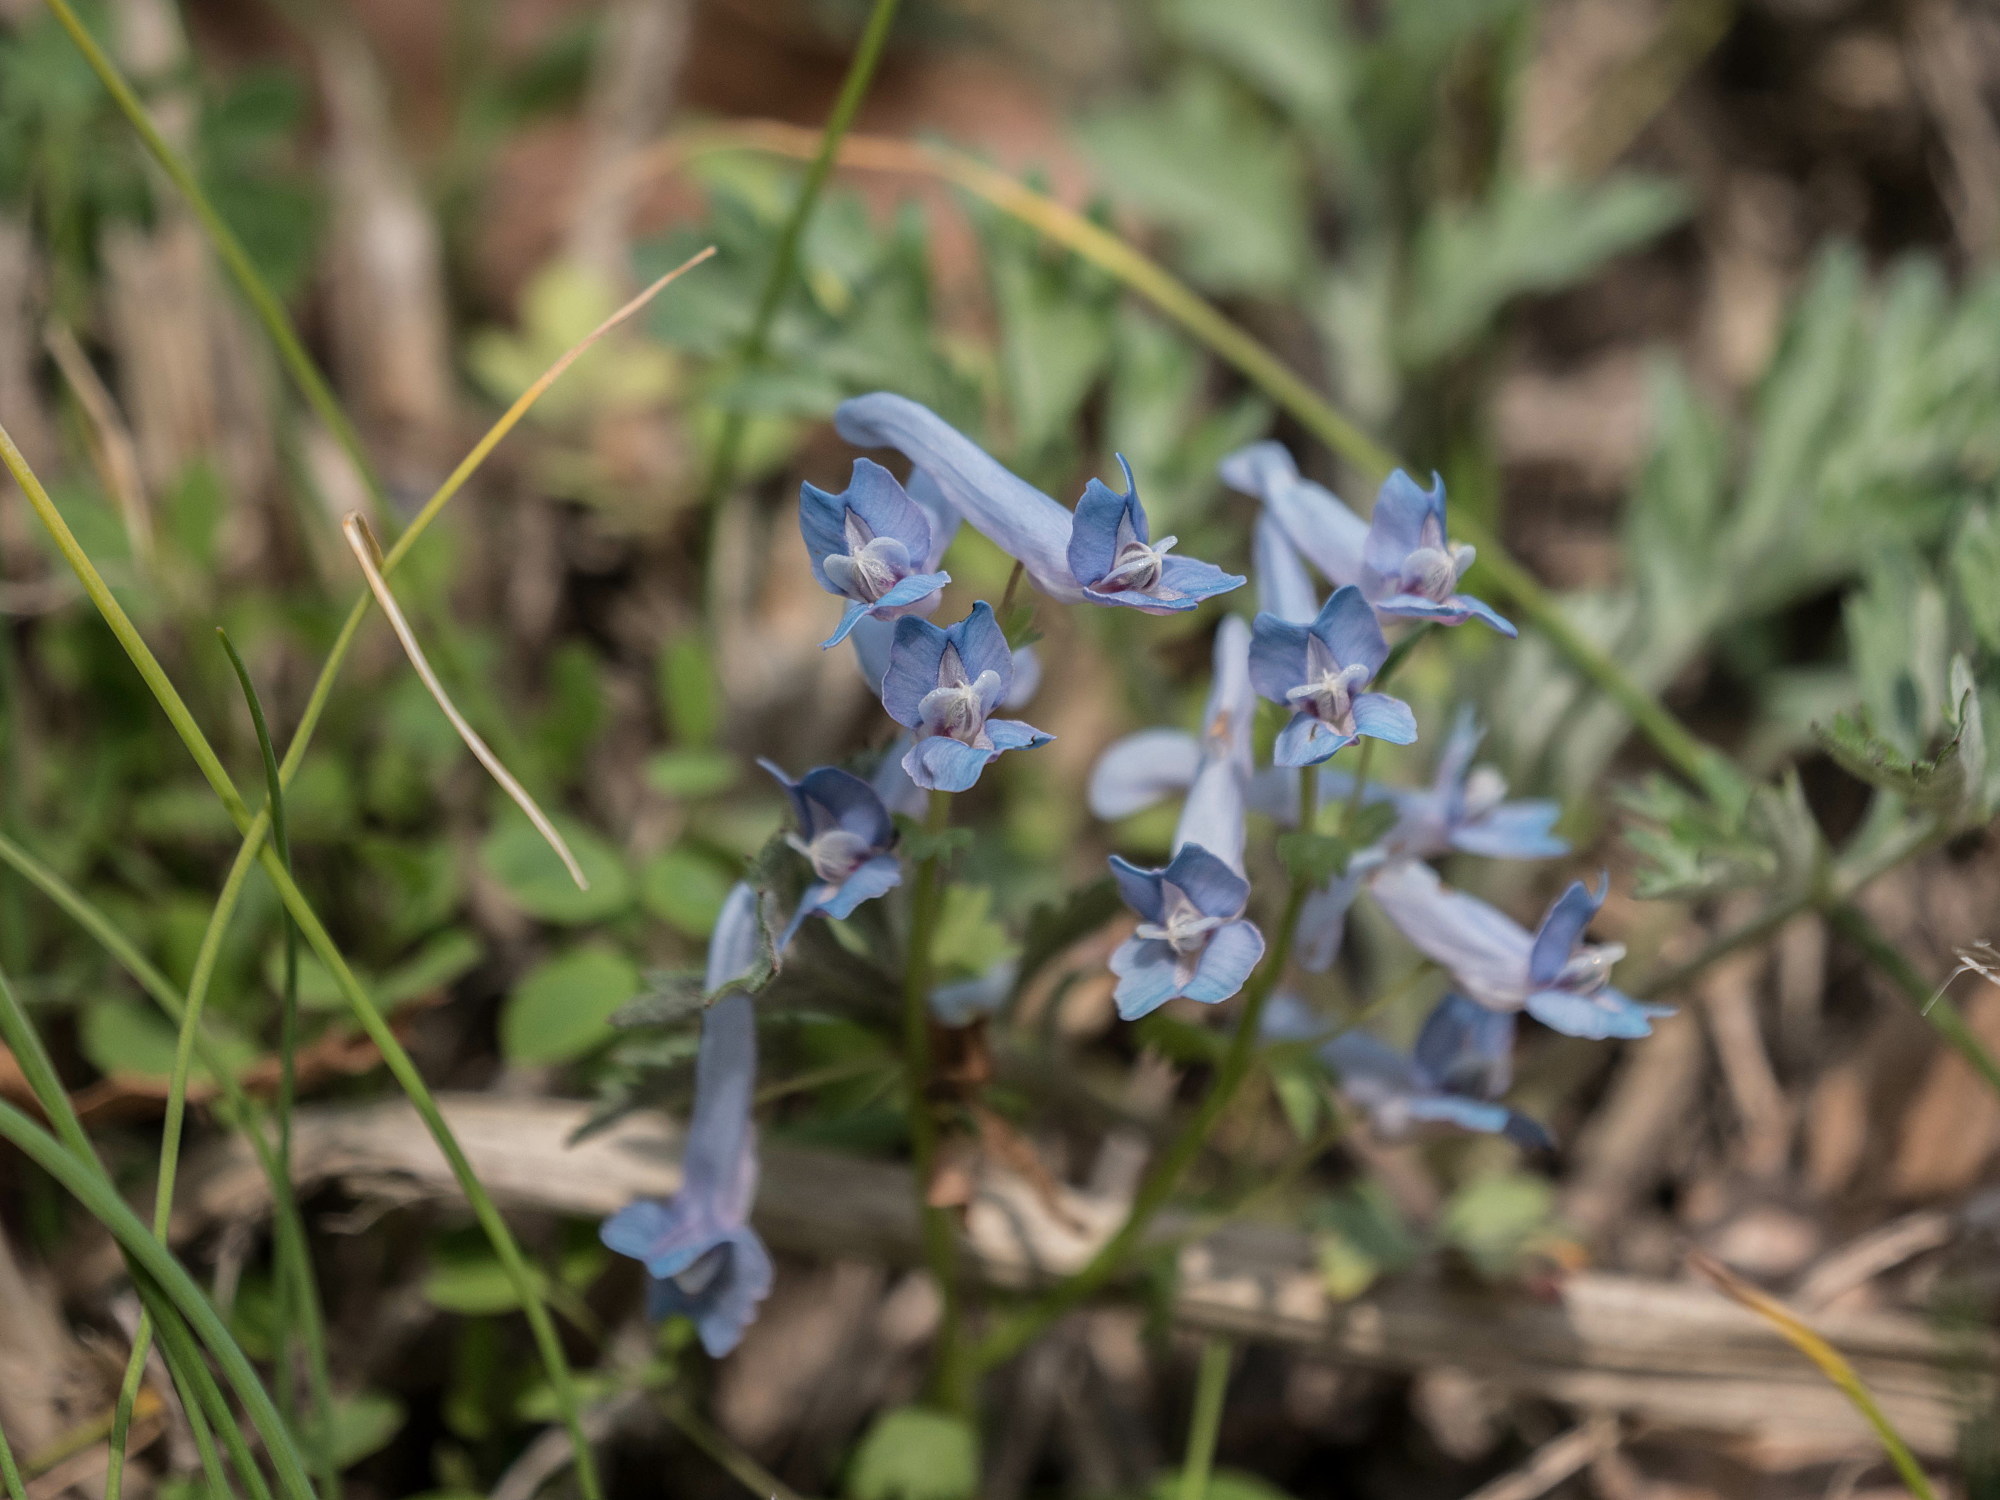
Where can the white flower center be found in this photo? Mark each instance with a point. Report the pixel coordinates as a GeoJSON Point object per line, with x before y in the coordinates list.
{"type": "Point", "coordinates": [1182, 925]}
{"type": "Point", "coordinates": [1328, 691]}
{"type": "Point", "coordinates": [1485, 789]}
{"type": "Point", "coordinates": [871, 566]}
{"type": "Point", "coordinates": [956, 707]}
{"type": "Point", "coordinates": [1434, 566]}
{"type": "Point", "coordinates": [1589, 968]}
{"type": "Point", "coordinates": [701, 1274]}
{"type": "Point", "coordinates": [834, 855]}
{"type": "Point", "coordinates": [1137, 566]}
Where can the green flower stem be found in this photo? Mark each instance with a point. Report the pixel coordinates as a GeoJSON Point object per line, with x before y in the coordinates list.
{"type": "Point", "coordinates": [785, 256]}
{"type": "Point", "coordinates": [10, 1472]}
{"type": "Point", "coordinates": [254, 829]}
{"type": "Point", "coordinates": [950, 1386]}
{"type": "Point", "coordinates": [85, 1181]}
{"type": "Point", "coordinates": [1211, 1384]}
{"type": "Point", "coordinates": [1932, 1004]}
{"type": "Point", "coordinates": [1015, 1333]}
{"type": "Point", "coordinates": [263, 301]}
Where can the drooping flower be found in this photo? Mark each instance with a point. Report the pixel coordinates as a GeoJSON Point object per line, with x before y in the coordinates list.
{"type": "Point", "coordinates": [1408, 566]}
{"type": "Point", "coordinates": [1319, 671]}
{"type": "Point", "coordinates": [1551, 973]}
{"type": "Point", "coordinates": [1315, 520]}
{"type": "Point", "coordinates": [702, 1258]}
{"type": "Point", "coordinates": [874, 546]}
{"type": "Point", "coordinates": [846, 834]}
{"type": "Point", "coordinates": [1192, 940]}
{"type": "Point", "coordinates": [1114, 559]}
{"type": "Point", "coordinates": [1464, 808]}
{"type": "Point", "coordinates": [1102, 553]}
{"type": "Point", "coordinates": [1462, 1063]}
{"type": "Point", "coordinates": [944, 684]}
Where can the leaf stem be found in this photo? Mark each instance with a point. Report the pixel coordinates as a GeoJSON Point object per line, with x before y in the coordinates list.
{"type": "Point", "coordinates": [949, 1383]}
{"type": "Point", "coordinates": [1011, 1336]}
{"type": "Point", "coordinates": [1211, 1385]}
{"type": "Point", "coordinates": [1932, 1004]}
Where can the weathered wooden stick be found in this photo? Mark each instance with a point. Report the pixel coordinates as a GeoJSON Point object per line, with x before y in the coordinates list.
{"type": "Point", "coordinates": [1670, 1354]}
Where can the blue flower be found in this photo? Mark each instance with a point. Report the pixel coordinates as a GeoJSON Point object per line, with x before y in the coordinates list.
{"type": "Point", "coordinates": [1409, 568]}
{"type": "Point", "coordinates": [1115, 561]}
{"type": "Point", "coordinates": [945, 685]}
{"type": "Point", "coordinates": [1102, 553]}
{"type": "Point", "coordinates": [1318, 671]}
{"type": "Point", "coordinates": [845, 833]}
{"type": "Point", "coordinates": [873, 545]}
{"type": "Point", "coordinates": [1284, 588]}
{"type": "Point", "coordinates": [1464, 808]}
{"type": "Point", "coordinates": [1462, 1063]}
{"type": "Point", "coordinates": [1191, 940]}
{"type": "Point", "coordinates": [702, 1258]}
{"type": "Point", "coordinates": [1310, 515]}
{"type": "Point", "coordinates": [1551, 973]}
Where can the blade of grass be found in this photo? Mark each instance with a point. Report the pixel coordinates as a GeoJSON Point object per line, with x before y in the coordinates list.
{"type": "Point", "coordinates": [10, 1472]}
{"type": "Point", "coordinates": [785, 255]}
{"type": "Point", "coordinates": [295, 1264]}
{"type": "Point", "coordinates": [199, 1392]}
{"type": "Point", "coordinates": [362, 543]}
{"type": "Point", "coordinates": [1832, 1364]}
{"type": "Point", "coordinates": [85, 1181]}
{"type": "Point", "coordinates": [1210, 1386]}
{"type": "Point", "coordinates": [263, 301]}
{"type": "Point", "coordinates": [1252, 359]}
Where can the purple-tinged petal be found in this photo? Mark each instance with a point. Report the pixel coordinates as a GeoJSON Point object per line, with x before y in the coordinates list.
{"type": "Point", "coordinates": [1359, 1059]}
{"type": "Point", "coordinates": [1381, 717]}
{"type": "Point", "coordinates": [1139, 887]}
{"type": "Point", "coordinates": [1347, 625]}
{"type": "Point", "coordinates": [1147, 977]}
{"type": "Point", "coordinates": [877, 877]}
{"type": "Point", "coordinates": [1025, 523]}
{"type": "Point", "coordinates": [1306, 741]}
{"type": "Point", "coordinates": [1455, 759]}
{"type": "Point", "coordinates": [1464, 1048]}
{"type": "Point", "coordinates": [1287, 1018]}
{"type": "Point", "coordinates": [1455, 610]}
{"type": "Point", "coordinates": [1140, 770]}
{"type": "Point", "coordinates": [1214, 888]}
{"type": "Point", "coordinates": [1607, 1014]}
{"type": "Point", "coordinates": [1483, 948]}
{"type": "Point", "coordinates": [939, 764]}
{"type": "Point", "coordinates": [728, 1287]}
{"type": "Point", "coordinates": [1012, 734]}
{"type": "Point", "coordinates": [1284, 588]}
{"type": "Point", "coordinates": [1329, 534]}
{"type": "Point", "coordinates": [1513, 830]}
{"type": "Point", "coordinates": [1233, 950]}
{"type": "Point", "coordinates": [914, 657]}
{"type": "Point", "coordinates": [1562, 929]}
{"type": "Point", "coordinates": [1396, 526]}
{"type": "Point", "coordinates": [982, 646]}
{"type": "Point", "coordinates": [1277, 656]}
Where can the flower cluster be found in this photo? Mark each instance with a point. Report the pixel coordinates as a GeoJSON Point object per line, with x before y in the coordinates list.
{"type": "Point", "coordinates": [879, 544]}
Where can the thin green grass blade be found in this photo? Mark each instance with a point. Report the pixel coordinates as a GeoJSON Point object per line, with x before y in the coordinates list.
{"type": "Point", "coordinates": [84, 1181]}
{"type": "Point", "coordinates": [526, 1285]}
{"type": "Point", "coordinates": [263, 301]}
{"type": "Point", "coordinates": [10, 1472]}
{"type": "Point", "coordinates": [206, 1411]}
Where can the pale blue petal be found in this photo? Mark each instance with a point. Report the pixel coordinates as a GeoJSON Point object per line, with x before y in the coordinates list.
{"type": "Point", "coordinates": [1323, 922]}
{"type": "Point", "coordinates": [1213, 816]}
{"type": "Point", "coordinates": [719, 1162]}
{"type": "Point", "coordinates": [1513, 830]}
{"type": "Point", "coordinates": [907, 593]}
{"type": "Point", "coordinates": [1562, 929]}
{"type": "Point", "coordinates": [940, 764]}
{"type": "Point", "coordinates": [1455, 759]}
{"type": "Point", "coordinates": [1395, 527]}
{"type": "Point", "coordinates": [982, 647]}
{"type": "Point", "coordinates": [874, 644]}
{"type": "Point", "coordinates": [849, 618]}
{"type": "Point", "coordinates": [734, 945]}
{"type": "Point", "coordinates": [657, 1233]}
{"type": "Point", "coordinates": [1283, 587]}
{"type": "Point", "coordinates": [965, 1002]}
{"type": "Point", "coordinates": [1139, 887]}
{"type": "Point", "coordinates": [1329, 534]}
{"type": "Point", "coordinates": [1232, 701]}
{"type": "Point", "coordinates": [892, 783]}
{"type": "Point", "coordinates": [943, 518]}
{"type": "Point", "coordinates": [1357, 1059]}
{"type": "Point", "coordinates": [1305, 741]}
{"type": "Point", "coordinates": [1481, 947]}
{"type": "Point", "coordinates": [1027, 677]}
{"type": "Point", "coordinates": [1146, 979]}
{"type": "Point", "coordinates": [1232, 952]}
{"type": "Point", "coordinates": [1347, 624]}
{"type": "Point", "coordinates": [1287, 1018]}
{"type": "Point", "coordinates": [1141, 770]}
{"type": "Point", "coordinates": [874, 878]}
{"type": "Point", "coordinates": [1450, 1109]}
{"type": "Point", "coordinates": [1381, 717]}
{"type": "Point", "coordinates": [1214, 888]}
{"type": "Point", "coordinates": [1025, 523]}
{"type": "Point", "coordinates": [1455, 610]}
{"type": "Point", "coordinates": [1012, 734]}
{"type": "Point", "coordinates": [1604, 1015]}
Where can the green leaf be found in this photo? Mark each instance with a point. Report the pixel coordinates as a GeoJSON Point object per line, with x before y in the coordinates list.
{"type": "Point", "coordinates": [120, 1037]}
{"type": "Point", "coordinates": [442, 961]}
{"type": "Point", "coordinates": [529, 871]}
{"type": "Point", "coordinates": [1054, 925]}
{"type": "Point", "coordinates": [1498, 1218]}
{"type": "Point", "coordinates": [362, 1424]}
{"type": "Point", "coordinates": [1934, 781]}
{"type": "Point", "coordinates": [1292, 50]}
{"type": "Point", "coordinates": [1975, 572]}
{"type": "Point", "coordinates": [1056, 317]}
{"type": "Point", "coordinates": [562, 1007]}
{"type": "Point", "coordinates": [914, 1453]}
{"type": "Point", "coordinates": [685, 889]}
{"type": "Point", "coordinates": [969, 940]}
{"type": "Point", "coordinates": [1526, 236]}
{"type": "Point", "coordinates": [1223, 1484]}
{"type": "Point", "coordinates": [1315, 858]}
{"type": "Point", "coordinates": [666, 998]}
{"type": "Point", "coordinates": [919, 844]}
{"type": "Point", "coordinates": [688, 774]}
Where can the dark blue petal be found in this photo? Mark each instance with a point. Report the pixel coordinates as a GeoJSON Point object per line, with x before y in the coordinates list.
{"type": "Point", "coordinates": [1277, 656]}
{"type": "Point", "coordinates": [1464, 1048]}
{"type": "Point", "coordinates": [1346, 623]}
{"type": "Point", "coordinates": [914, 653]}
{"type": "Point", "coordinates": [1529, 1135]}
{"type": "Point", "coordinates": [982, 647]}
{"type": "Point", "coordinates": [940, 764]}
{"type": "Point", "coordinates": [1381, 717]}
{"type": "Point", "coordinates": [1562, 929]}
{"type": "Point", "coordinates": [1139, 887]}
{"type": "Point", "coordinates": [802, 811]}
{"type": "Point", "coordinates": [1233, 950]}
{"type": "Point", "coordinates": [1093, 538]}
{"type": "Point", "coordinates": [840, 799]}
{"type": "Point", "coordinates": [1215, 889]}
